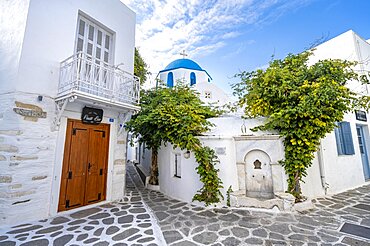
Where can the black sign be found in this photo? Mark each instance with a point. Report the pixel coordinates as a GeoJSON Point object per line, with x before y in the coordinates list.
{"type": "Point", "coordinates": [361, 115]}
{"type": "Point", "coordinates": [92, 115]}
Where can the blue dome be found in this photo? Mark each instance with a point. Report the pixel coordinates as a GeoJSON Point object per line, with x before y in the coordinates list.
{"type": "Point", "coordinates": [183, 63]}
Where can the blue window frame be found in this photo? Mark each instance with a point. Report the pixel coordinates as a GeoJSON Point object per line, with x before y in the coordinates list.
{"type": "Point", "coordinates": [170, 80]}
{"type": "Point", "coordinates": [193, 79]}
{"type": "Point", "coordinates": [343, 137]}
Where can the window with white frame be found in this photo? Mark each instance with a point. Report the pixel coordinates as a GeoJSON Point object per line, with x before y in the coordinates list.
{"type": "Point", "coordinates": [94, 41]}
{"type": "Point", "coordinates": [177, 165]}
{"type": "Point", "coordinates": [94, 48]}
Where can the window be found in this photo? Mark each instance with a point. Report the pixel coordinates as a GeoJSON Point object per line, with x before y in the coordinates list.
{"type": "Point", "coordinates": [170, 80]}
{"type": "Point", "coordinates": [94, 41]}
{"type": "Point", "coordinates": [177, 167]}
{"type": "Point", "coordinates": [193, 79]}
{"type": "Point", "coordinates": [343, 137]}
{"type": "Point", "coordinates": [207, 94]}
{"type": "Point", "coordinates": [94, 45]}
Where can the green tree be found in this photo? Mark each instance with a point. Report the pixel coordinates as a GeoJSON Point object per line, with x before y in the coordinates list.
{"type": "Point", "coordinates": [177, 116]}
{"type": "Point", "coordinates": [302, 102]}
{"type": "Point", "coordinates": [140, 67]}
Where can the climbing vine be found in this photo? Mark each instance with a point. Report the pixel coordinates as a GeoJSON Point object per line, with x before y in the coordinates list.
{"type": "Point", "coordinates": [302, 102]}
{"type": "Point", "coordinates": [177, 116]}
{"type": "Point", "coordinates": [210, 192]}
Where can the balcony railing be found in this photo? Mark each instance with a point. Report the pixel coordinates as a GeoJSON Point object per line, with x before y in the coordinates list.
{"type": "Point", "coordinates": [83, 74]}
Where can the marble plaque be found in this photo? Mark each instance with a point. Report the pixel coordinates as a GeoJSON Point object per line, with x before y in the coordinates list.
{"type": "Point", "coordinates": [30, 113]}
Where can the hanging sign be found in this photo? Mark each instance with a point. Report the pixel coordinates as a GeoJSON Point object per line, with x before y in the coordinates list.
{"type": "Point", "coordinates": [92, 115]}
{"type": "Point", "coordinates": [360, 115]}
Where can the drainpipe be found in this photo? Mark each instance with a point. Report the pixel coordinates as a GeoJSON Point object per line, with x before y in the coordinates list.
{"type": "Point", "coordinates": [322, 168]}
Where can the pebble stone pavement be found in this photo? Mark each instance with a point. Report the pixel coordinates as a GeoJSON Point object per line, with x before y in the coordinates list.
{"type": "Point", "coordinates": [147, 217]}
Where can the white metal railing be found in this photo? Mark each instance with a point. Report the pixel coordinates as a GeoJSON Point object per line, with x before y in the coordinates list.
{"type": "Point", "coordinates": [83, 73]}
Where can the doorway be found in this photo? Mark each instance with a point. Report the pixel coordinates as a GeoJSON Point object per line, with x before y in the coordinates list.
{"type": "Point", "coordinates": [85, 162]}
{"type": "Point", "coordinates": [363, 150]}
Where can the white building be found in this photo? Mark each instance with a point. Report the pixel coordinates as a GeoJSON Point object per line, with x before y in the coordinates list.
{"type": "Point", "coordinates": [344, 157]}
{"type": "Point", "coordinates": [58, 57]}
{"type": "Point", "coordinates": [249, 160]}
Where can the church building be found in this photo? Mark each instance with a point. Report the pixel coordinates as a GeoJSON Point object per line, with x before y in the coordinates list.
{"type": "Point", "coordinates": [185, 70]}
{"type": "Point", "coordinates": [191, 73]}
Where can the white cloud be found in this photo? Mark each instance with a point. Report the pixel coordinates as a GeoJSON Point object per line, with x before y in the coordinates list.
{"type": "Point", "coordinates": [166, 27]}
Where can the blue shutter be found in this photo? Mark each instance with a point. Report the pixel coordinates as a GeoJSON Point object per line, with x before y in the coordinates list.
{"type": "Point", "coordinates": [347, 138]}
{"type": "Point", "coordinates": [170, 80]}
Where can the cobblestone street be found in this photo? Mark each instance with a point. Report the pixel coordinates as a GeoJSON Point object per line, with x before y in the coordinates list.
{"type": "Point", "coordinates": [141, 217]}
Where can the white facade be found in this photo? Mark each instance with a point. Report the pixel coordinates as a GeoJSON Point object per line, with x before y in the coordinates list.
{"type": "Point", "coordinates": [209, 93]}
{"type": "Point", "coordinates": [37, 35]}
{"type": "Point", "coordinates": [183, 75]}
{"type": "Point", "coordinates": [341, 172]}
{"type": "Point", "coordinates": [237, 149]}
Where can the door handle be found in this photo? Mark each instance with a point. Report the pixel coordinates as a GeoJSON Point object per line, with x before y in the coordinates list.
{"type": "Point", "coordinates": [88, 167]}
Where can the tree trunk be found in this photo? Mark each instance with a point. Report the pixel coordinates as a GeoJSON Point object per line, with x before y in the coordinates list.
{"type": "Point", "coordinates": [153, 180]}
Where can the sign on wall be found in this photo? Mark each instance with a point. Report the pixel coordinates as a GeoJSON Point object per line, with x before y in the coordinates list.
{"type": "Point", "coordinates": [92, 116]}
{"type": "Point", "coordinates": [360, 115]}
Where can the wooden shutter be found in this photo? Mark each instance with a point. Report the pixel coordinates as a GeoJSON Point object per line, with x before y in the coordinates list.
{"type": "Point", "coordinates": [347, 138]}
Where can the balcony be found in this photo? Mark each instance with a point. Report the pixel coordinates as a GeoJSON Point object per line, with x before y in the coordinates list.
{"type": "Point", "coordinates": [92, 80]}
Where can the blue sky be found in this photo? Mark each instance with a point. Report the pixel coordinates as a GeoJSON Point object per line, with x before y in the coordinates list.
{"type": "Point", "coordinates": [228, 36]}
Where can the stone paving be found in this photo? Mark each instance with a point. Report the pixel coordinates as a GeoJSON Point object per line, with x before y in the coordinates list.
{"type": "Point", "coordinates": [184, 224]}
{"type": "Point", "coordinates": [128, 222]}
{"type": "Point", "coordinates": [148, 217]}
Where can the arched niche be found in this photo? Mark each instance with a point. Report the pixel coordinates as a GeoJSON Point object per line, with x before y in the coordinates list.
{"type": "Point", "coordinates": [258, 174]}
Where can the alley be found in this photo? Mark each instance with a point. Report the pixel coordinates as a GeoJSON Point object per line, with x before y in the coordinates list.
{"type": "Point", "coordinates": [146, 217]}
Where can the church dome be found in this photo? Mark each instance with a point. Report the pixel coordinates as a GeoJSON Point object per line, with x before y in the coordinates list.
{"type": "Point", "coordinates": [183, 63]}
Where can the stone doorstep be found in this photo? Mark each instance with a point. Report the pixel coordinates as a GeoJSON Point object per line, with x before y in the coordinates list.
{"type": "Point", "coordinates": [281, 202]}
{"type": "Point", "coordinates": [75, 210]}
{"type": "Point", "coordinates": [243, 201]}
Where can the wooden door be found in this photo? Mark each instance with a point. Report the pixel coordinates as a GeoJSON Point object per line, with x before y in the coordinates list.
{"type": "Point", "coordinates": [85, 164]}
{"type": "Point", "coordinates": [97, 169]}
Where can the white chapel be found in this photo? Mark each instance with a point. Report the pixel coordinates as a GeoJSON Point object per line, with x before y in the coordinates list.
{"type": "Point", "coordinates": [191, 73]}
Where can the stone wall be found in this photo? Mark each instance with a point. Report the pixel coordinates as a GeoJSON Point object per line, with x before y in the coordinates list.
{"type": "Point", "coordinates": [119, 166]}
{"type": "Point", "coordinates": [27, 150]}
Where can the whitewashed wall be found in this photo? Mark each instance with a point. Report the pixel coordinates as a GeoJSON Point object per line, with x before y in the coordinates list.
{"type": "Point", "coordinates": [231, 151]}
{"type": "Point", "coordinates": [183, 74]}
{"type": "Point", "coordinates": [186, 187]}
{"type": "Point", "coordinates": [40, 35]}
{"type": "Point", "coordinates": [27, 149]}
{"type": "Point", "coordinates": [50, 38]}
{"type": "Point", "coordinates": [218, 96]}
{"type": "Point", "coordinates": [13, 18]}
